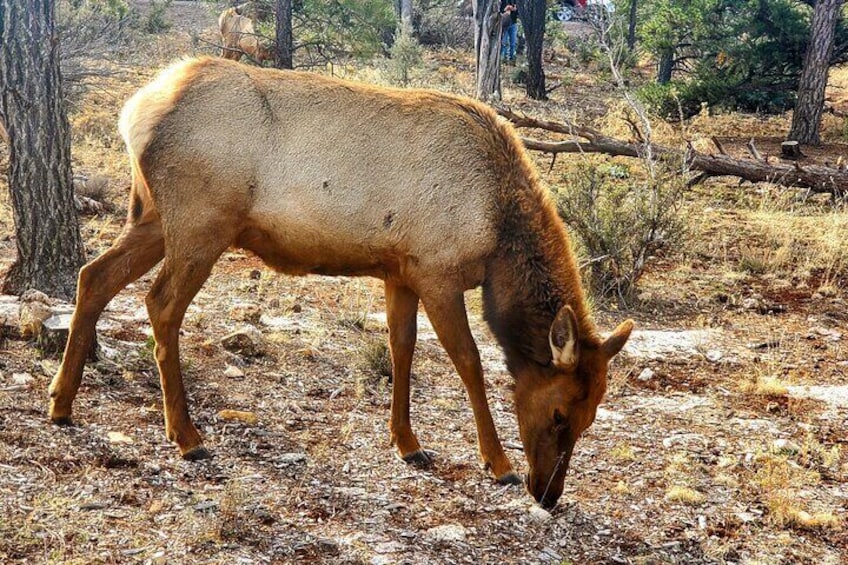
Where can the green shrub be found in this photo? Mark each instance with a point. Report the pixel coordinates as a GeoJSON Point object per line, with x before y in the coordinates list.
{"type": "Point", "coordinates": [155, 21]}
{"type": "Point", "coordinates": [405, 55]}
{"type": "Point", "coordinates": [622, 221]}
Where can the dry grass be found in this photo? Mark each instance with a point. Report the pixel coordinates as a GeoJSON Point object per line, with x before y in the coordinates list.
{"type": "Point", "coordinates": [779, 481]}
{"type": "Point", "coordinates": [765, 386]}
{"type": "Point", "coordinates": [623, 452]}
{"type": "Point", "coordinates": [684, 495]}
{"type": "Point", "coordinates": [802, 247]}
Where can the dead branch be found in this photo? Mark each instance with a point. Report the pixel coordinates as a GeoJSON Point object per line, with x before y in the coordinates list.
{"type": "Point", "coordinates": [754, 152]}
{"type": "Point", "coordinates": [718, 145]}
{"type": "Point", "coordinates": [814, 177]}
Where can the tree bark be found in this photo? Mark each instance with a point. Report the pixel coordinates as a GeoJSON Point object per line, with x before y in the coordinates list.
{"type": "Point", "coordinates": [50, 250]}
{"type": "Point", "coordinates": [284, 54]}
{"type": "Point", "coordinates": [816, 178]}
{"type": "Point", "coordinates": [487, 48]}
{"type": "Point", "coordinates": [532, 14]}
{"type": "Point", "coordinates": [631, 26]}
{"type": "Point", "coordinates": [406, 12]}
{"type": "Point", "coordinates": [808, 110]}
{"type": "Point", "coordinates": [665, 66]}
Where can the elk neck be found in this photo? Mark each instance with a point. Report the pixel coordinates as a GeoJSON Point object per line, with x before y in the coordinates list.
{"type": "Point", "coordinates": [532, 274]}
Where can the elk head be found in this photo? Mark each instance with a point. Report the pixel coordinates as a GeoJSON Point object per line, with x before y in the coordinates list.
{"type": "Point", "coordinates": [556, 403]}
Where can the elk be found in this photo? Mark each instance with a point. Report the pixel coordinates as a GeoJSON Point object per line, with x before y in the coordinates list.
{"type": "Point", "coordinates": [238, 37]}
{"type": "Point", "coordinates": [430, 192]}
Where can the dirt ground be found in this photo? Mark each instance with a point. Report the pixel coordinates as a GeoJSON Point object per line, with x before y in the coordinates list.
{"type": "Point", "coordinates": [721, 439]}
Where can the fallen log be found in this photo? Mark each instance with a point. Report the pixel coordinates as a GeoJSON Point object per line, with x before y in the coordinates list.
{"type": "Point", "coordinates": [816, 178]}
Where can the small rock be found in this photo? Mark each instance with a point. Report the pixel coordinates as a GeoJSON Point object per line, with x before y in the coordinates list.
{"type": "Point", "coordinates": [327, 545]}
{"type": "Point", "coordinates": [10, 320]}
{"type": "Point", "coordinates": [646, 375]}
{"type": "Point", "coordinates": [539, 514]}
{"type": "Point", "coordinates": [550, 555]}
{"type": "Point", "coordinates": [245, 312]}
{"type": "Point", "coordinates": [291, 458]}
{"type": "Point", "coordinates": [785, 446]}
{"type": "Point", "coordinates": [238, 416]}
{"type": "Point", "coordinates": [750, 304]}
{"type": "Point", "coordinates": [746, 517]}
{"type": "Point", "coordinates": [22, 379]}
{"type": "Point", "coordinates": [35, 308]}
{"type": "Point", "coordinates": [233, 372]}
{"type": "Point", "coordinates": [246, 341]}
{"type": "Point", "coordinates": [255, 274]}
{"type": "Point", "coordinates": [447, 533]}
{"type": "Point", "coordinates": [206, 505]}
{"type": "Point", "coordinates": [118, 437]}
{"type": "Point", "coordinates": [702, 522]}
{"type": "Point", "coordinates": [714, 355]}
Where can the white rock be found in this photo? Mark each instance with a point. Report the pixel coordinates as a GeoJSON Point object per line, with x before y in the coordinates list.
{"type": "Point", "coordinates": [247, 340]}
{"type": "Point", "coordinates": [539, 514]}
{"type": "Point", "coordinates": [291, 458]}
{"type": "Point", "coordinates": [714, 355]}
{"type": "Point", "coordinates": [233, 372]}
{"type": "Point", "coordinates": [22, 378]}
{"type": "Point", "coordinates": [646, 374]}
{"type": "Point", "coordinates": [784, 446]}
{"type": "Point", "coordinates": [447, 533]}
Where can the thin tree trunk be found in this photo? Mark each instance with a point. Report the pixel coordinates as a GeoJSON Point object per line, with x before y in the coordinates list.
{"type": "Point", "coordinates": [284, 55]}
{"type": "Point", "coordinates": [406, 12]}
{"type": "Point", "coordinates": [631, 26]}
{"type": "Point", "coordinates": [487, 48]}
{"type": "Point", "coordinates": [665, 66]}
{"type": "Point", "coordinates": [50, 250]}
{"type": "Point", "coordinates": [532, 14]}
{"type": "Point", "coordinates": [808, 110]}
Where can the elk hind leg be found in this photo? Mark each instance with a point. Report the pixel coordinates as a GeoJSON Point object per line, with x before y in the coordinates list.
{"type": "Point", "coordinates": [137, 250]}
{"type": "Point", "coordinates": [187, 266]}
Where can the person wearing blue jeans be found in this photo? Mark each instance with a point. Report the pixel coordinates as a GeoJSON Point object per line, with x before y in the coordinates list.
{"type": "Point", "coordinates": [509, 27]}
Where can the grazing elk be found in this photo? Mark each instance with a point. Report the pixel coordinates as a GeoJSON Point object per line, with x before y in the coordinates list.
{"type": "Point", "coordinates": [428, 191]}
{"type": "Point", "coordinates": [238, 38]}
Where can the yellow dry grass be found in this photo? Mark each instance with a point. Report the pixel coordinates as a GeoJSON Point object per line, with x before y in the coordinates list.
{"type": "Point", "coordinates": [684, 495]}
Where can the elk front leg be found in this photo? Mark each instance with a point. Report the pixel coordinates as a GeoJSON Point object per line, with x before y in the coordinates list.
{"type": "Point", "coordinates": [401, 314]}
{"type": "Point", "coordinates": [447, 313]}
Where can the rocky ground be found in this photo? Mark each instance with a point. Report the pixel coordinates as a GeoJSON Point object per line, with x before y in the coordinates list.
{"type": "Point", "coordinates": [721, 440]}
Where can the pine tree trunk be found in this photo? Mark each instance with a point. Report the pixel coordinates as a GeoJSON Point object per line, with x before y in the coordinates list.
{"type": "Point", "coordinates": [532, 14]}
{"type": "Point", "coordinates": [50, 250]}
{"type": "Point", "coordinates": [284, 56]}
{"type": "Point", "coordinates": [808, 110]}
{"type": "Point", "coordinates": [665, 66]}
{"type": "Point", "coordinates": [631, 26]}
{"type": "Point", "coordinates": [487, 47]}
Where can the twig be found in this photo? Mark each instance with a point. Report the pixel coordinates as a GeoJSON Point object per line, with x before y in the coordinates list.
{"type": "Point", "coordinates": [718, 145]}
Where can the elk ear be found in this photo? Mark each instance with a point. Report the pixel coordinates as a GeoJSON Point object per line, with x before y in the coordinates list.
{"type": "Point", "coordinates": [613, 344]}
{"type": "Point", "coordinates": [563, 339]}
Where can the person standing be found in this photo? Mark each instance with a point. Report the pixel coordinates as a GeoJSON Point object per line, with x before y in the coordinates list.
{"type": "Point", "coordinates": [509, 33]}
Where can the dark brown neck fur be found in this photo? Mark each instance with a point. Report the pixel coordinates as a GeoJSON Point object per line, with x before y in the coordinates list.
{"type": "Point", "coordinates": [533, 273]}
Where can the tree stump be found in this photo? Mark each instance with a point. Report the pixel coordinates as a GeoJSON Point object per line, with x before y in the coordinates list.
{"type": "Point", "coordinates": [54, 336]}
{"type": "Point", "coordinates": [791, 150]}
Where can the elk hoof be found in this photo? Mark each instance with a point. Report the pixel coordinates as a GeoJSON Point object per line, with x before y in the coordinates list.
{"type": "Point", "coordinates": [420, 458]}
{"type": "Point", "coordinates": [63, 421]}
{"type": "Point", "coordinates": [510, 479]}
{"type": "Point", "coordinates": [197, 454]}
